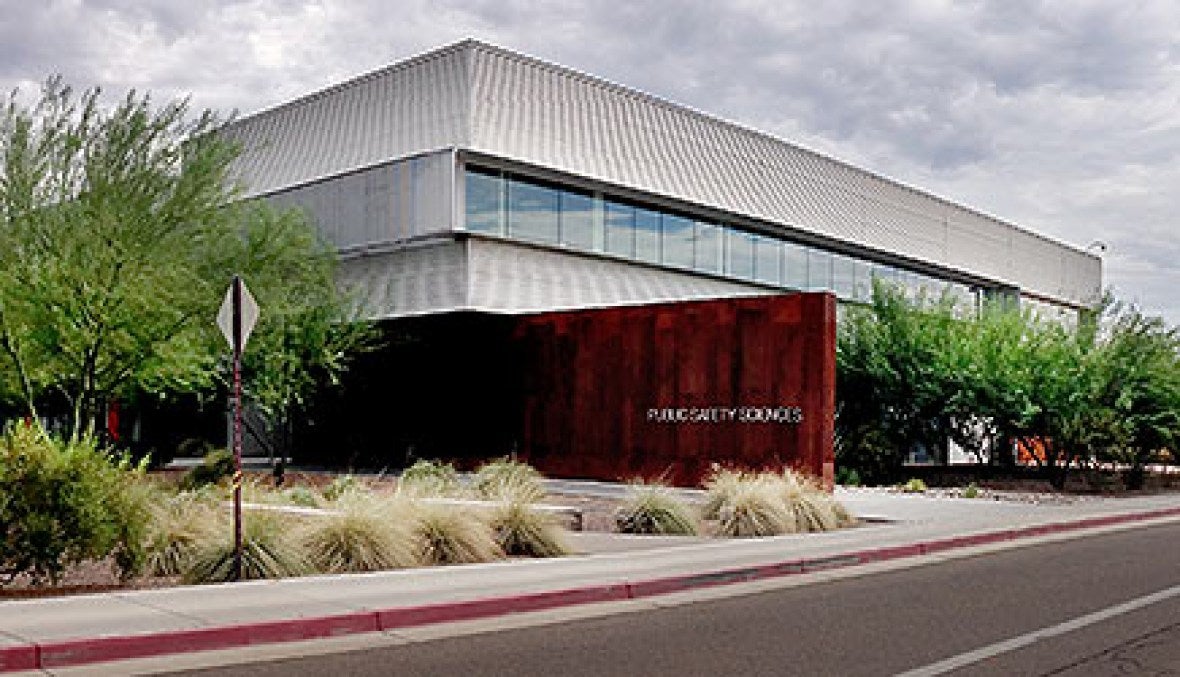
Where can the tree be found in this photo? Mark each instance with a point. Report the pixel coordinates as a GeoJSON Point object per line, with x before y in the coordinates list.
{"type": "Point", "coordinates": [119, 231]}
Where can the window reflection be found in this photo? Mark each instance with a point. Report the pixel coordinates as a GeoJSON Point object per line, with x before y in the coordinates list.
{"type": "Point", "coordinates": [485, 203]}
{"type": "Point", "coordinates": [739, 254]}
{"type": "Point", "coordinates": [767, 255]}
{"type": "Point", "coordinates": [707, 256]}
{"type": "Point", "coordinates": [619, 221]}
{"type": "Point", "coordinates": [532, 211]}
{"type": "Point", "coordinates": [795, 266]}
{"type": "Point", "coordinates": [678, 236]}
{"type": "Point", "coordinates": [577, 220]}
{"type": "Point", "coordinates": [647, 235]}
{"type": "Point", "coordinates": [819, 270]}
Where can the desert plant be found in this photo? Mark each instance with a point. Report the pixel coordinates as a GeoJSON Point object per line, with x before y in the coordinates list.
{"type": "Point", "coordinates": [506, 479]}
{"type": "Point", "coordinates": [358, 536]}
{"type": "Point", "coordinates": [914, 486]}
{"type": "Point", "coordinates": [269, 550]}
{"type": "Point", "coordinates": [62, 502]}
{"type": "Point", "coordinates": [754, 506]}
{"type": "Point", "coordinates": [304, 497]}
{"type": "Point", "coordinates": [653, 509]}
{"type": "Point", "coordinates": [720, 487]}
{"type": "Point", "coordinates": [215, 466]}
{"type": "Point", "coordinates": [341, 485]}
{"type": "Point", "coordinates": [526, 532]}
{"type": "Point", "coordinates": [971, 491]}
{"type": "Point", "coordinates": [446, 534]}
{"type": "Point", "coordinates": [428, 478]}
{"type": "Point", "coordinates": [176, 526]}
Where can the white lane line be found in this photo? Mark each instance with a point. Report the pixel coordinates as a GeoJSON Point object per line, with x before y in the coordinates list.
{"type": "Point", "coordinates": [983, 653]}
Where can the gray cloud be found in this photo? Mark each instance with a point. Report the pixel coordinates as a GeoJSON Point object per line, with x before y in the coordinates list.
{"type": "Point", "coordinates": [1058, 115]}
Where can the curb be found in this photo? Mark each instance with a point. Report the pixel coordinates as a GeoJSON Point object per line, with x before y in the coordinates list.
{"type": "Point", "coordinates": [73, 652]}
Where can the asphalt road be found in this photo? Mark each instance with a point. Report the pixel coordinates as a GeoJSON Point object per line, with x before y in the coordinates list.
{"type": "Point", "coordinates": [885, 623]}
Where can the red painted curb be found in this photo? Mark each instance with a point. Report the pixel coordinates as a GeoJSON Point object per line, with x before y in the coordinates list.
{"type": "Point", "coordinates": [13, 658]}
{"type": "Point", "coordinates": [99, 649]}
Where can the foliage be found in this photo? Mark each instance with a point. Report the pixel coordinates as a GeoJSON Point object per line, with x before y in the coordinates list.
{"type": "Point", "coordinates": [525, 532]}
{"type": "Point", "coordinates": [429, 478]}
{"type": "Point", "coordinates": [119, 232]}
{"type": "Point", "coordinates": [914, 485]}
{"type": "Point", "coordinates": [215, 466]}
{"type": "Point", "coordinates": [303, 497]}
{"type": "Point", "coordinates": [270, 549]}
{"type": "Point", "coordinates": [62, 502]}
{"type": "Point", "coordinates": [971, 491]}
{"type": "Point", "coordinates": [653, 509]}
{"type": "Point", "coordinates": [448, 535]}
{"type": "Point", "coordinates": [177, 525]}
{"type": "Point", "coordinates": [847, 477]}
{"type": "Point", "coordinates": [918, 375]}
{"type": "Point", "coordinates": [359, 536]}
{"type": "Point", "coordinates": [341, 486]}
{"type": "Point", "coordinates": [506, 479]}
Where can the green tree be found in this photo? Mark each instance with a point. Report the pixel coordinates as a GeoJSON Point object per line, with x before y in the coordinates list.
{"type": "Point", "coordinates": [119, 231]}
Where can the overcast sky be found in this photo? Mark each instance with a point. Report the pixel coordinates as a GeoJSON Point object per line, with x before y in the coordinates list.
{"type": "Point", "coordinates": [1063, 117]}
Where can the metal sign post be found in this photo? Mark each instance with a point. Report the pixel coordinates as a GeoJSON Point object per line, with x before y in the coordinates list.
{"type": "Point", "coordinates": [238, 314]}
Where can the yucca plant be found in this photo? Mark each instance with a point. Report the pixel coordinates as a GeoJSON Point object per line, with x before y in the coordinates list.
{"type": "Point", "coordinates": [506, 479]}
{"type": "Point", "coordinates": [522, 531]}
{"type": "Point", "coordinates": [176, 526]}
{"type": "Point", "coordinates": [428, 479]}
{"type": "Point", "coordinates": [270, 549]}
{"type": "Point", "coordinates": [449, 535]}
{"type": "Point", "coordinates": [653, 509]}
{"type": "Point", "coordinates": [358, 536]}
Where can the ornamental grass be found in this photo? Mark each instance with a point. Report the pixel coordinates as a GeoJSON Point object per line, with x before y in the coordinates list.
{"type": "Point", "coordinates": [509, 480]}
{"type": "Point", "coordinates": [177, 525]}
{"type": "Point", "coordinates": [654, 509]}
{"type": "Point", "coordinates": [359, 535]}
{"type": "Point", "coordinates": [270, 549]}
{"type": "Point", "coordinates": [522, 531]}
{"type": "Point", "coordinates": [450, 535]}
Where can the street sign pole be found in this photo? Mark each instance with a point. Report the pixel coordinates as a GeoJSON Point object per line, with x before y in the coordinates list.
{"type": "Point", "coordinates": [236, 318]}
{"type": "Point", "coordinates": [237, 349]}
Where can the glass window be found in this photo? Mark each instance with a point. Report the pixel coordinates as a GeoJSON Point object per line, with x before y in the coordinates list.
{"type": "Point", "coordinates": [767, 252]}
{"type": "Point", "coordinates": [708, 255]}
{"type": "Point", "coordinates": [678, 235]}
{"type": "Point", "coordinates": [485, 202]}
{"type": "Point", "coordinates": [647, 235]}
{"type": "Point", "coordinates": [532, 211]}
{"type": "Point", "coordinates": [794, 265]}
{"type": "Point", "coordinates": [739, 254]}
{"type": "Point", "coordinates": [620, 229]}
{"type": "Point", "coordinates": [863, 282]}
{"type": "Point", "coordinates": [577, 220]}
{"type": "Point", "coordinates": [819, 270]}
{"type": "Point", "coordinates": [843, 276]}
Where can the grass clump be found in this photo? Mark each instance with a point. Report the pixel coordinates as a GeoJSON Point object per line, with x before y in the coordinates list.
{"type": "Point", "coordinates": [767, 504]}
{"type": "Point", "coordinates": [428, 479]}
{"type": "Point", "coordinates": [358, 536]}
{"type": "Point", "coordinates": [176, 527]}
{"type": "Point", "coordinates": [754, 507]}
{"type": "Point", "coordinates": [914, 486]}
{"type": "Point", "coordinates": [654, 509]}
{"type": "Point", "coordinates": [269, 550]}
{"type": "Point", "coordinates": [449, 535]}
{"type": "Point", "coordinates": [506, 479]}
{"type": "Point", "coordinates": [216, 465]}
{"type": "Point", "coordinates": [522, 531]}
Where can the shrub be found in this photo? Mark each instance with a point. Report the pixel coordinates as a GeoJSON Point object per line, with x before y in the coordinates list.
{"type": "Point", "coordinates": [508, 480]}
{"type": "Point", "coordinates": [449, 535]}
{"type": "Point", "coordinates": [177, 525]}
{"type": "Point", "coordinates": [269, 550]}
{"type": "Point", "coordinates": [523, 531]}
{"type": "Point", "coordinates": [914, 486]}
{"type": "Point", "coordinates": [429, 478]}
{"type": "Point", "coordinates": [971, 491]}
{"type": "Point", "coordinates": [360, 536]}
{"type": "Point", "coordinates": [64, 502]}
{"type": "Point", "coordinates": [215, 466]}
{"type": "Point", "coordinates": [653, 509]}
{"type": "Point", "coordinates": [752, 506]}
{"type": "Point", "coordinates": [847, 477]}
{"type": "Point", "coordinates": [341, 485]}
{"type": "Point", "coordinates": [303, 497]}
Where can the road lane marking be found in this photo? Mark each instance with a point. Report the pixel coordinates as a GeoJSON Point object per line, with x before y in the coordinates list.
{"type": "Point", "coordinates": [1030, 638]}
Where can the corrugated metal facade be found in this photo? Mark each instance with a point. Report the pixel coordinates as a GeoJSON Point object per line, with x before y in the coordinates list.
{"type": "Point", "coordinates": [474, 96]}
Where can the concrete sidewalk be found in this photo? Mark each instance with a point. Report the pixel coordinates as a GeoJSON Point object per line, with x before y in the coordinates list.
{"type": "Point", "coordinates": [109, 626]}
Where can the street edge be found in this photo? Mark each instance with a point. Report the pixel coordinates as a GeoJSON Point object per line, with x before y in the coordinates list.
{"type": "Point", "coordinates": [83, 651]}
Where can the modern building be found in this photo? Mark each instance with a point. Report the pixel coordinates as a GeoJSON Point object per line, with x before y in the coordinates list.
{"type": "Point", "coordinates": [474, 182]}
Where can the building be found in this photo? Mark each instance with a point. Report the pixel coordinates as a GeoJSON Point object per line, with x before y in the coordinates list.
{"type": "Point", "coordinates": [471, 184]}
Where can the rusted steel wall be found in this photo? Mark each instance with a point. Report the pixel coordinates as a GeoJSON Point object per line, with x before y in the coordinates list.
{"type": "Point", "coordinates": [669, 389]}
